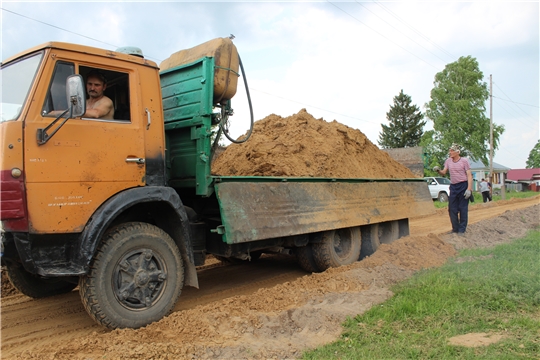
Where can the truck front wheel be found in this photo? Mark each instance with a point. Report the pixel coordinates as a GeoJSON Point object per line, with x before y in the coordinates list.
{"type": "Point", "coordinates": [34, 285]}
{"type": "Point", "coordinates": [135, 278]}
{"type": "Point", "coordinates": [337, 248]}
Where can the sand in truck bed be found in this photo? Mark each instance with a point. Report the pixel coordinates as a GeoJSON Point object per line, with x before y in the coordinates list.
{"type": "Point", "coordinates": [300, 145]}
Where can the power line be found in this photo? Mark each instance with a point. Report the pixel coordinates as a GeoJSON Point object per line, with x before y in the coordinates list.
{"type": "Point", "coordinates": [393, 42]}
{"type": "Point", "coordinates": [408, 37]}
{"type": "Point", "coordinates": [69, 31]}
{"type": "Point", "coordinates": [59, 28]}
{"type": "Point", "coordinates": [511, 113]}
{"type": "Point", "coordinates": [414, 29]}
{"type": "Point", "coordinates": [517, 103]}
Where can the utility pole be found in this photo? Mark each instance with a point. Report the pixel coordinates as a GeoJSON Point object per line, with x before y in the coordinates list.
{"type": "Point", "coordinates": [491, 128]}
{"type": "Point", "coordinates": [503, 185]}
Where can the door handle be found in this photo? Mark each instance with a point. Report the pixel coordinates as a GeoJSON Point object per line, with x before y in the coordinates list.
{"type": "Point", "coordinates": [135, 160]}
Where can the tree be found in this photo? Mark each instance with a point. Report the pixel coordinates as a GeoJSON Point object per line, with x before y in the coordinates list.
{"type": "Point", "coordinates": [457, 109]}
{"type": "Point", "coordinates": [534, 157]}
{"type": "Point", "coordinates": [405, 126]}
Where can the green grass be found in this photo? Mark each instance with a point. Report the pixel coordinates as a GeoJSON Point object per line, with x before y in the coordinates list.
{"type": "Point", "coordinates": [498, 293]}
{"type": "Point", "coordinates": [478, 197]}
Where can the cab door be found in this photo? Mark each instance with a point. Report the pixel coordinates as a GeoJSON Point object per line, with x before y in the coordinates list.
{"type": "Point", "coordinates": [88, 160]}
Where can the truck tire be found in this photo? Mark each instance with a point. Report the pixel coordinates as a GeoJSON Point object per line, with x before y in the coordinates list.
{"type": "Point", "coordinates": [376, 234]}
{"type": "Point", "coordinates": [337, 248]}
{"type": "Point", "coordinates": [443, 197]}
{"type": "Point", "coordinates": [370, 240]}
{"type": "Point", "coordinates": [304, 256]}
{"type": "Point", "coordinates": [135, 278]}
{"type": "Point", "coordinates": [35, 286]}
{"type": "Point", "coordinates": [388, 232]}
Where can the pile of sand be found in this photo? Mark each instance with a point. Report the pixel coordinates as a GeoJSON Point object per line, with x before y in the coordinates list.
{"type": "Point", "coordinates": [300, 145]}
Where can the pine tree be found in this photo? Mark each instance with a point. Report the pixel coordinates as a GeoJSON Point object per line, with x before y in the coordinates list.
{"type": "Point", "coordinates": [405, 126]}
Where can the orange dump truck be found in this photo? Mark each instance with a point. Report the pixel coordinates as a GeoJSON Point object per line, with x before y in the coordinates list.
{"type": "Point", "coordinates": [126, 207]}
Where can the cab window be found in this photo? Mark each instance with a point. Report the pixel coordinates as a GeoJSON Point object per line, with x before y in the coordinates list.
{"type": "Point", "coordinates": [117, 90]}
{"type": "Point", "coordinates": [56, 95]}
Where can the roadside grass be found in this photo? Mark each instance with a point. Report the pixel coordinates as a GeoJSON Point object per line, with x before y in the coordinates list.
{"type": "Point", "coordinates": [496, 291]}
{"type": "Point", "coordinates": [478, 197]}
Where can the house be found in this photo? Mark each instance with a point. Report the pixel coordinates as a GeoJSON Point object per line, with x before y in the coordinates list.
{"type": "Point", "coordinates": [481, 171]}
{"type": "Point", "coordinates": [528, 177]}
{"type": "Point", "coordinates": [411, 157]}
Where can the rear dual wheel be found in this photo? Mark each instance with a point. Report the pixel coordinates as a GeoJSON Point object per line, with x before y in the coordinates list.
{"type": "Point", "coordinates": [345, 246]}
{"type": "Point", "coordinates": [376, 234]}
{"type": "Point", "coordinates": [337, 248]}
{"type": "Point", "coordinates": [304, 256]}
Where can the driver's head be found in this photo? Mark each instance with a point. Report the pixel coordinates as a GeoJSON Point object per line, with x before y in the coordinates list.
{"type": "Point", "coordinates": [96, 84]}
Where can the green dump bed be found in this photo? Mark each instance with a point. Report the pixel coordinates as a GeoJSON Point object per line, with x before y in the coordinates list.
{"type": "Point", "coordinates": [256, 208]}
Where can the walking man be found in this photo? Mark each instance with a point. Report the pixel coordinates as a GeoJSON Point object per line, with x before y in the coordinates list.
{"type": "Point", "coordinates": [484, 189]}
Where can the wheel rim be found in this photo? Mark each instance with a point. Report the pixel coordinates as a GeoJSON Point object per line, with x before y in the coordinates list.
{"type": "Point", "coordinates": [139, 279]}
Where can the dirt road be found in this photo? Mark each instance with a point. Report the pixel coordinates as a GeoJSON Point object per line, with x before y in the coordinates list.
{"type": "Point", "coordinates": [257, 310]}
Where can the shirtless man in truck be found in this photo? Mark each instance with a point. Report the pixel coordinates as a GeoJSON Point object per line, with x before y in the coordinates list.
{"type": "Point", "coordinates": [98, 105]}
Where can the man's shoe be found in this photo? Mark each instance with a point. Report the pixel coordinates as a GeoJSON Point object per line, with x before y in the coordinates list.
{"type": "Point", "coordinates": [461, 234]}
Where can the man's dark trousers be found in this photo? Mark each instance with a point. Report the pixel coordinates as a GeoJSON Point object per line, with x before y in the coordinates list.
{"type": "Point", "coordinates": [458, 207]}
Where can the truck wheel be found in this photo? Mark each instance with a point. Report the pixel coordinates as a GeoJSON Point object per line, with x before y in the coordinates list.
{"type": "Point", "coordinates": [135, 278]}
{"type": "Point", "coordinates": [337, 248]}
{"type": "Point", "coordinates": [304, 256]}
{"type": "Point", "coordinates": [443, 197]}
{"type": "Point", "coordinates": [376, 234]}
{"type": "Point", "coordinates": [370, 240]}
{"type": "Point", "coordinates": [34, 285]}
{"type": "Point", "coordinates": [388, 232]}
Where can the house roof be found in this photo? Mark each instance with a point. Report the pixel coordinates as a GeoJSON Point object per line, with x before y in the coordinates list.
{"type": "Point", "coordinates": [522, 174]}
{"type": "Point", "coordinates": [478, 165]}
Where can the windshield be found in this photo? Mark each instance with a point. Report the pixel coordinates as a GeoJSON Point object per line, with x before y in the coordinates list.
{"type": "Point", "coordinates": [443, 181]}
{"type": "Point", "coordinates": [16, 79]}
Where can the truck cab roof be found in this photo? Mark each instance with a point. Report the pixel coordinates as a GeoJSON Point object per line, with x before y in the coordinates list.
{"type": "Point", "coordinates": [82, 49]}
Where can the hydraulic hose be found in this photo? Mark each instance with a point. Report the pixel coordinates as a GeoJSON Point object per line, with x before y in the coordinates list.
{"type": "Point", "coordinates": [223, 123]}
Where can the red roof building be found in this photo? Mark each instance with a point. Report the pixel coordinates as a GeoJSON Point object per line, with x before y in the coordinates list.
{"type": "Point", "coordinates": [530, 177]}
{"type": "Point", "coordinates": [522, 174]}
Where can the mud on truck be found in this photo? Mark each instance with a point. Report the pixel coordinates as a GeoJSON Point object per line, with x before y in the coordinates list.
{"type": "Point", "coordinates": [126, 208]}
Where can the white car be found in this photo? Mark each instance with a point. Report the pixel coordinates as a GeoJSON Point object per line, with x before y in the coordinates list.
{"type": "Point", "coordinates": [439, 187]}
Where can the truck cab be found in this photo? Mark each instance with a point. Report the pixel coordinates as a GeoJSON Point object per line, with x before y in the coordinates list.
{"type": "Point", "coordinates": [68, 180]}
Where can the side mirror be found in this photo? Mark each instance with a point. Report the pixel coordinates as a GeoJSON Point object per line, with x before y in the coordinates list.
{"type": "Point", "coordinates": [76, 96]}
{"type": "Point", "coordinates": [76, 99]}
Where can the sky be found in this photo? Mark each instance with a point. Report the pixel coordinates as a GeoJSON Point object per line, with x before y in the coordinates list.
{"type": "Point", "coordinates": [343, 61]}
